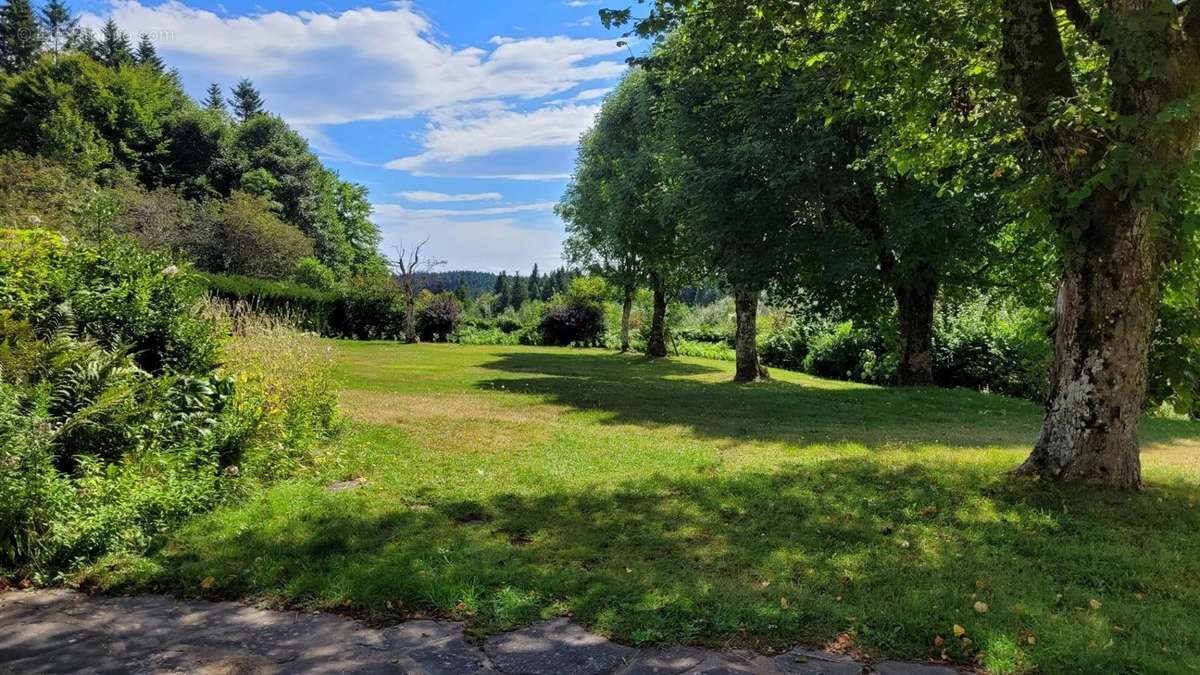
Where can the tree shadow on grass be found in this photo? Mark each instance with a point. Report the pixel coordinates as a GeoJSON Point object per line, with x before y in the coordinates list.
{"type": "Point", "coordinates": [641, 392]}
{"type": "Point", "coordinates": [892, 555]}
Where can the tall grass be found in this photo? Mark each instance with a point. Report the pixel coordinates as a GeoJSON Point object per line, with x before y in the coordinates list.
{"type": "Point", "coordinates": [284, 394]}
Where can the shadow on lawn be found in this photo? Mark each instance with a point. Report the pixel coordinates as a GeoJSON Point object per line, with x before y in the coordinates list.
{"type": "Point", "coordinates": [891, 555]}
{"type": "Point", "coordinates": [639, 391]}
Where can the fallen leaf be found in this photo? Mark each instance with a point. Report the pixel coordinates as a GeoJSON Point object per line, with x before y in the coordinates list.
{"type": "Point", "coordinates": [959, 631]}
{"type": "Point", "coordinates": [764, 584]}
{"type": "Point", "coordinates": [981, 607]}
{"type": "Point", "coordinates": [783, 603]}
{"type": "Point", "coordinates": [1094, 603]}
{"type": "Point", "coordinates": [939, 641]}
{"type": "Point", "coordinates": [1032, 639]}
{"type": "Point", "coordinates": [207, 583]}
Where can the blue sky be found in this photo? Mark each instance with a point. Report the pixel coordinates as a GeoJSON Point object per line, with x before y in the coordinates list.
{"type": "Point", "coordinates": [461, 117]}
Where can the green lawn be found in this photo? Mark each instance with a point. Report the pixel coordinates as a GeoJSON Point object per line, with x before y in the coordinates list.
{"type": "Point", "coordinates": [659, 503]}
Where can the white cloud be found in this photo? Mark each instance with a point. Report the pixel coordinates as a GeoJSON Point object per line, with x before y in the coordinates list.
{"type": "Point", "coordinates": [439, 197]}
{"type": "Point", "coordinates": [591, 94]}
{"type": "Point", "coordinates": [489, 211]}
{"type": "Point", "coordinates": [476, 244]}
{"type": "Point", "coordinates": [455, 137]}
{"type": "Point", "coordinates": [361, 64]}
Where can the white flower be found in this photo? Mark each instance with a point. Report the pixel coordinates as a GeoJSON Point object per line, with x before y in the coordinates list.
{"type": "Point", "coordinates": [170, 270]}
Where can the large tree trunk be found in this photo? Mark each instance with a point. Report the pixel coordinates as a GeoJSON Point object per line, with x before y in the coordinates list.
{"type": "Point", "coordinates": [749, 368]}
{"type": "Point", "coordinates": [1104, 317]}
{"type": "Point", "coordinates": [656, 346]}
{"type": "Point", "coordinates": [626, 311]}
{"type": "Point", "coordinates": [1108, 298]}
{"type": "Point", "coordinates": [916, 303]}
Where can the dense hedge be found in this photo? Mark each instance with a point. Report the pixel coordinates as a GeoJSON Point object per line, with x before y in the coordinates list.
{"type": "Point", "coordinates": [309, 307]}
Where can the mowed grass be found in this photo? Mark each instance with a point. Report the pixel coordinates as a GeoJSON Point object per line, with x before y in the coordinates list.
{"type": "Point", "coordinates": [659, 503]}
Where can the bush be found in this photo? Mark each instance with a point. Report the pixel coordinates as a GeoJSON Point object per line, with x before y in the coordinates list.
{"type": "Point", "coordinates": [111, 292]}
{"type": "Point", "coordinates": [577, 319]}
{"type": "Point", "coordinates": [472, 335]}
{"type": "Point", "coordinates": [437, 317]}
{"type": "Point", "coordinates": [255, 242]}
{"type": "Point", "coordinates": [35, 193]}
{"type": "Point", "coordinates": [120, 295]}
{"type": "Point", "coordinates": [369, 308]}
{"type": "Point", "coordinates": [115, 423]}
{"type": "Point", "coordinates": [786, 347]}
{"type": "Point", "coordinates": [32, 275]}
{"type": "Point", "coordinates": [838, 352]}
{"type": "Point", "coordinates": [312, 273]}
{"type": "Point", "coordinates": [164, 220]}
{"type": "Point", "coordinates": [718, 351]}
{"type": "Point", "coordinates": [987, 346]}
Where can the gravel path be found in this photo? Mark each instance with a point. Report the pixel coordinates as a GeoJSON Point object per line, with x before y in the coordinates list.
{"type": "Point", "coordinates": [60, 631]}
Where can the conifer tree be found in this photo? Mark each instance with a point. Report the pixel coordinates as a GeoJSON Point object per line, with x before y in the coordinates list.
{"type": "Point", "coordinates": [60, 27]}
{"type": "Point", "coordinates": [463, 292]}
{"type": "Point", "coordinates": [519, 292]}
{"type": "Point", "coordinates": [215, 100]}
{"type": "Point", "coordinates": [113, 49]}
{"type": "Point", "coordinates": [246, 101]}
{"type": "Point", "coordinates": [147, 55]}
{"type": "Point", "coordinates": [21, 37]}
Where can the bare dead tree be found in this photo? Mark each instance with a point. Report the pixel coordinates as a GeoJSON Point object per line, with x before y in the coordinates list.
{"type": "Point", "coordinates": [407, 264]}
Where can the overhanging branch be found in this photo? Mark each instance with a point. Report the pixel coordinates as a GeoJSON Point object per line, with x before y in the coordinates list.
{"type": "Point", "coordinates": [1080, 17]}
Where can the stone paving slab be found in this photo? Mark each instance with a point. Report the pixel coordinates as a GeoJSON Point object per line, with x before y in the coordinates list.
{"type": "Point", "coordinates": [62, 631]}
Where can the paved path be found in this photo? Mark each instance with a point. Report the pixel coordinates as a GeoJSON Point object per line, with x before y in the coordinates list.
{"type": "Point", "coordinates": [59, 631]}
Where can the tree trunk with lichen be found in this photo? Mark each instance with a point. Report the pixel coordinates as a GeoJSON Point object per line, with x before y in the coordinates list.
{"type": "Point", "coordinates": [656, 345]}
{"type": "Point", "coordinates": [1105, 316]}
{"type": "Point", "coordinates": [749, 368]}
{"type": "Point", "coordinates": [1108, 296]}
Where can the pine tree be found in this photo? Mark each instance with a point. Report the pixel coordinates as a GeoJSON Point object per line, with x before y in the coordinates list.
{"type": "Point", "coordinates": [246, 101]}
{"type": "Point", "coordinates": [519, 293]}
{"type": "Point", "coordinates": [535, 284]}
{"type": "Point", "coordinates": [215, 101]}
{"type": "Point", "coordinates": [501, 292]}
{"type": "Point", "coordinates": [21, 37]}
{"type": "Point", "coordinates": [113, 49]}
{"type": "Point", "coordinates": [61, 28]}
{"type": "Point", "coordinates": [147, 55]}
{"type": "Point", "coordinates": [82, 40]}
{"type": "Point", "coordinates": [463, 292]}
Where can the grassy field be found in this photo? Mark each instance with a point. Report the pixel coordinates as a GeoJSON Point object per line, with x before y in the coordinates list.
{"type": "Point", "coordinates": [659, 503]}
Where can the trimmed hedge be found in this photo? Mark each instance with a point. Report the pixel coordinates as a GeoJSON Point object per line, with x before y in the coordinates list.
{"type": "Point", "coordinates": [310, 308]}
